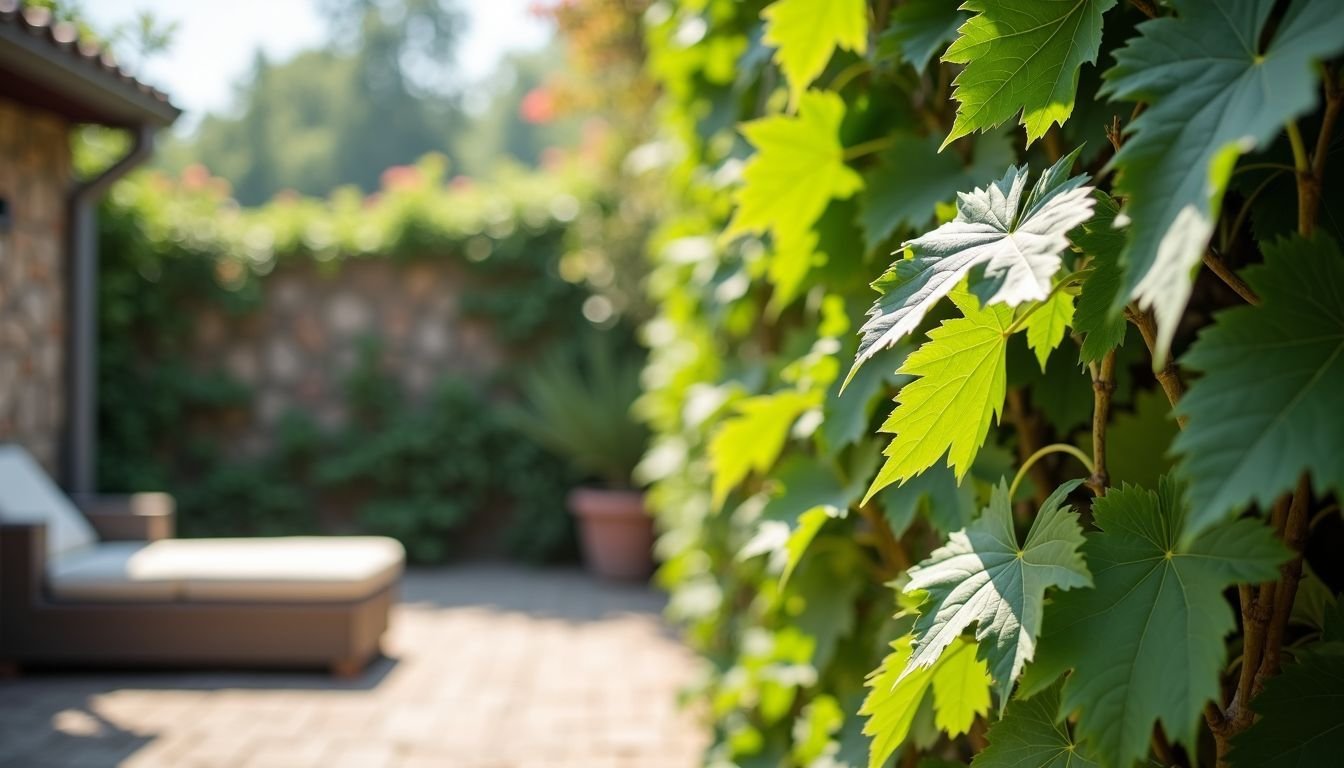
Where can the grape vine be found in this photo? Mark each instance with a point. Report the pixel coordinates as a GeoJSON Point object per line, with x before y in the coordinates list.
{"type": "Point", "coordinates": [1062, 492]}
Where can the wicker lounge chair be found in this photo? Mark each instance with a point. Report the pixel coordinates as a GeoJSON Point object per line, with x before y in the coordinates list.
{"type": "Point", "coordinates": [103, 582]}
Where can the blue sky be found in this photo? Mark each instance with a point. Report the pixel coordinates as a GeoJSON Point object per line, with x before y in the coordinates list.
{"type": "Point", "coordinates": [215, 40]}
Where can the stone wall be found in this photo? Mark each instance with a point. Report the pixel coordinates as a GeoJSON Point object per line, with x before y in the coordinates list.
{"type": "Point", "coordinates": [34, 178]}
{"type": "Point", "coordinates": [296, 351]}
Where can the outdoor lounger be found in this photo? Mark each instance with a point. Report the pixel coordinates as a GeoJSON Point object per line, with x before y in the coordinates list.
{"type": "Point", "coordinates": [105, 583]}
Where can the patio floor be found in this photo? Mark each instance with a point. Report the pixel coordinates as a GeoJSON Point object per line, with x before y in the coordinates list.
{"type": "Point", "coordinates": [486, 666]}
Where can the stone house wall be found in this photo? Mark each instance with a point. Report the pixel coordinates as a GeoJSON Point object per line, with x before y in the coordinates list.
{"type": "Point", "coordinates": [34, 179]}
{"type": "Point", "coordinates": [297, 349]}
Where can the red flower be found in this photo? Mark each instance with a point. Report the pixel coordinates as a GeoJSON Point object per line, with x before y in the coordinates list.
{"type": "Point", "coordinates": [400, 177]}
{"type": "Point", "coordinates": [538, 106]}
{"type": "Point", "coordinates": [195, 176]}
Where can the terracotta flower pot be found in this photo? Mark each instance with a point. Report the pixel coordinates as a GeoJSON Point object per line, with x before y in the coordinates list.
{"type": "Point", "coordinates": [615, 531]}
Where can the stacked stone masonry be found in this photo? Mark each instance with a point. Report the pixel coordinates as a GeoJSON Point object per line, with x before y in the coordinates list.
{"type": "Point", "coordinates": [295, 352]}
{"type": "Point", "coordinates": [34, 181]}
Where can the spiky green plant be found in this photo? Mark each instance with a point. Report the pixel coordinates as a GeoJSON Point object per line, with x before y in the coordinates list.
{"type": "Point", "coordinates": [577, 405]}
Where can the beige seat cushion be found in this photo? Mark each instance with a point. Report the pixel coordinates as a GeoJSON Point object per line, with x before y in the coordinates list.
{"type": "Point", "coordinates": [283, 569]}
{"type": "Point", "coordinates": [116, 571]}
{"type": "Point", "coordinates": [295, 569]}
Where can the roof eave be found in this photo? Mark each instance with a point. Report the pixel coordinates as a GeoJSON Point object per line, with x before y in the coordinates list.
{"type": "Point", "coordinates": [115, 98]}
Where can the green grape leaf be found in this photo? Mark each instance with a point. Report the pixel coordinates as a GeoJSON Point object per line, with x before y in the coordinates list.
{"type": "Point", "coordinates": [895, 699]}
{"type": "Point", "coordinates": [911, 178]}
{"type": "Point", "coordinates": [805, 33]}
{"type": "Point", "coordinates": [824, 581]}
{"type": "Point", "coordinates": [804, 496]}
{"type": "Point", "coordinates": [947, 505]}
{"type": "Point", "coordinates": [1146, 643]}
{"type": "Point", "coordinates": [851, 746]}
{"type": "Point", "coordinates": [815, 729]}
{"type": "Point", "coordinates": [1007, 241]}
{"type": "Point", "coordinates": [919, 29]}
{"type": "Point", "coordinates": [982, 576]}
{"type": "Point", "coordinates": [1062, 392]}
{"type": "Point", "coordinates": [1138, 438]}
{"type": "Point", "coordinates": [905, 186]}
{"type": "Point", "coordinates": [1301, 715]}
{"type": "Point", "coordinates": [790, 262]}
{"type": "Point", "coordinates": [1096, 318]}
{"type": "Point", "coordinates": [1030, 735]}
{"type": "Point", "coordinates": [962, 384]}
{"type": "Point", "coordinates": [751, 440]}
{"type": "Point", "coordinates": [848, 412]}
{"type": "Point", "coordinates": [1212, 93]}
{"type": "Point", "coordinates": [799, 166]}
{"type": "Point", "coordinates": [1022, 57]}
{"type": "Point", "coordinates": [960, 690]}
{"type": "Point", "coordinates": [1259, 415]}
{"type": "Point", "coordinates": [1047, 325]}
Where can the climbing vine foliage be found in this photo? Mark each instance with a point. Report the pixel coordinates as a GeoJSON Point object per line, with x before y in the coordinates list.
{"type": "Point", "coordinates": [998, 378]}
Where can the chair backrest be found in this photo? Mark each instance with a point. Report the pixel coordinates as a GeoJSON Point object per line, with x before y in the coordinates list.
{"type": "Point", "coordinates": [27, 495]}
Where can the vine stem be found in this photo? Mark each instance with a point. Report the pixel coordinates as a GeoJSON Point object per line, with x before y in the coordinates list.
{"type": "Point", "coordinates": [1167, 375]}
{"type": "Point", "coordinates": [1231, 278]}
{"type": "Point", "coordinates": [1053, 149]}
{"type": "Point", "coordinates": [1265, 621]}
{"type": "Point", "coordinates": [1334, 103]}
{"type": "Point", "coordinates": [888, 546]}
{"type": "Point", "coordinates": [1308, 191]}
{"type": "Point", "coordinates": [1262, 167]}
{"type": "Point", "coordinates": [1300, 162]}
{"type": "Point", "coordinates": [881, 14]}
{"type": "Point", "coordinates": [1290, 574]}
{"type": "Point", "coordinates": [1103, 386]}
{"type": "Point", "coordinates": [847, 75]}
{"type": "Point", "coordinates": [1309, 187]}
{"type": "Point", "coordinates": [1044, 451]}
{"type": "Point", "coordinates": [1257, 604]}
{"type": "Point", "coordinates": [870, 147]}
{"type": "Point", "coordinates": [1266, 613]}
{"type": "Point", "coordinates": [1145, 7]}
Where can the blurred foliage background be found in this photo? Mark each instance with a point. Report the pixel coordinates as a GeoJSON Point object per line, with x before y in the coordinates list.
{"type": "Point", "coordinates": [357, 150]}
{"type": "Point", "coordinates": [421, 469]}
{"type": "Point", "coordinates": [378, 92]}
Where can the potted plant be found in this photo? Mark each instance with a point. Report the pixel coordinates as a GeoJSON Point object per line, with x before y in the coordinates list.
{"type": "Point", "coordinates": [578, 406]}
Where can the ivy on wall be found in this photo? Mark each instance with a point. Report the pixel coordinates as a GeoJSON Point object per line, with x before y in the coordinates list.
{"type": "Point", "coordinates": [421, 471]}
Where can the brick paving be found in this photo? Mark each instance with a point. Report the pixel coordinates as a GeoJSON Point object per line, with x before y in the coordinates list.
{"type": "Point", "coordinates": [487, 667]}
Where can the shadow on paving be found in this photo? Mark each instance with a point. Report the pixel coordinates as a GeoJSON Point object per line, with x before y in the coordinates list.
{"type": "Point", "coordinates": [567, 594]}
{"type": "Point", "coordinates": [484, 611]}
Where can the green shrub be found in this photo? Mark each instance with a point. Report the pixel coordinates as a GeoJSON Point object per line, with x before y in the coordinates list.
{"type": "Point", "coordinates": [423, 471]}
{"type": "Point", "coordinates": [246, 498]}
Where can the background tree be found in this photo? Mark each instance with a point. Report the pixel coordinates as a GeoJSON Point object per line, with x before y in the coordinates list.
{"type": "Point", "coordinates": [518, 119]}
{"type": "Point", "coordinates": [380, 93]}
